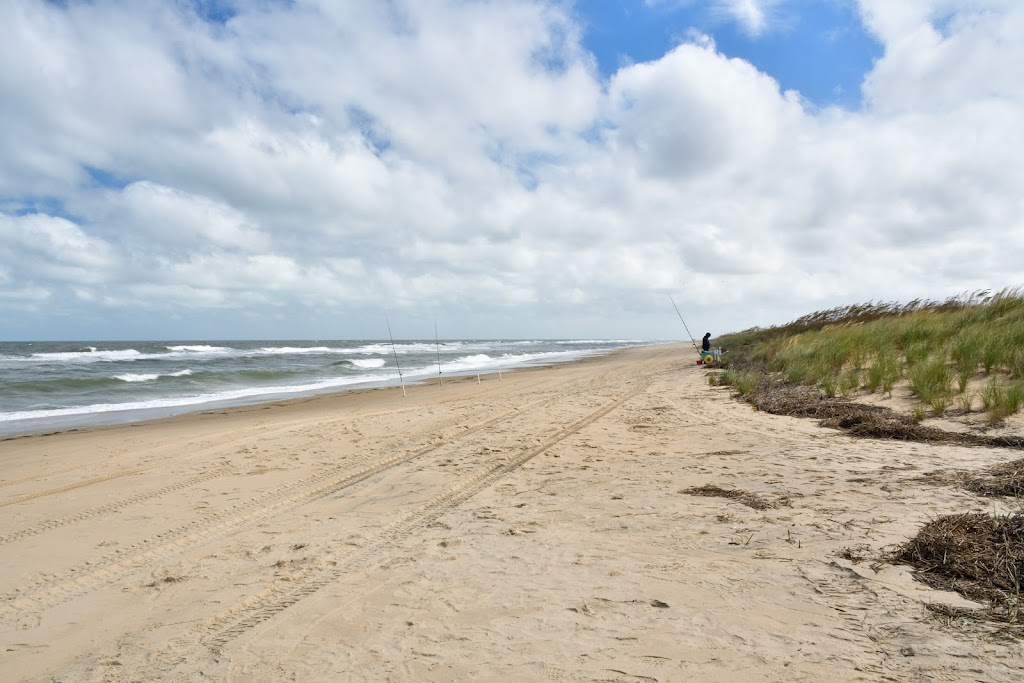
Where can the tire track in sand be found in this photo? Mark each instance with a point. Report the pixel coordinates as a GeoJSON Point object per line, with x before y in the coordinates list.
{"type": "Point", "coordinates": [47, 525]}
{"type": "Point", "coordinates": [113, 506]}
{"type": "Point", "coordinates": [256, 609]}
{"type": "Point", "coordinates": [49, 590]}
{"type": "Point", "coordinates": [138, 469]}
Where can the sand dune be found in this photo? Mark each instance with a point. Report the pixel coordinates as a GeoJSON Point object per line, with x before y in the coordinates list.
{"type": "Point", "coordinates": [549, 526]}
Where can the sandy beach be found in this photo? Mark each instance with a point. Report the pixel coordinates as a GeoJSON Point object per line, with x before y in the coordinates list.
{"type": "Point", "coordinates": [540, 527]}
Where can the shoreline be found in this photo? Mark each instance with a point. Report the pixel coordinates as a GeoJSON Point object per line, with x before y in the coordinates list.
{"type": "Point", "coordinates": [112, 418]}
{"type": "Point", "coordinates": [568, 522]}
{"type": "Point", "coordinates": [358, 394]}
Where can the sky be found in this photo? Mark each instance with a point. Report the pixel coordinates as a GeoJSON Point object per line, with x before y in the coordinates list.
{"type": "Point", "coordinates": [312, 169]}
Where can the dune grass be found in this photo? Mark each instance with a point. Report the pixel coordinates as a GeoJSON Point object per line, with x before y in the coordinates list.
{"type": "Point", "coordinates": [939, 348]}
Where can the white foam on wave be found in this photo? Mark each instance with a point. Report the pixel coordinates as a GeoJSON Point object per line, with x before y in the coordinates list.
{"type": "Point", "coordinates": [291, 350]}
{"type": "Point", "coordinates": [465, 363]}
{"type": "Point", "coordinates": [369, 349]}
{"type": "Point", "coordinates": [89, 356]}
{"type": "Point", "coordinates": [193, 401]}
{"type": "Point", "coordinates": [148, 377]}
{"type": "Point", "coordinates": [591, 342]}
{"type": "Point", "coordinates": [123, 355]}
{"type": "Point", "coordinates": [198, 351]}
{"type": "Point", "coordinates": [367, 363]}
{"type": "Point", "coordinates": [386, 348]}
{"type": "Point", "coordinates": [483, 362]}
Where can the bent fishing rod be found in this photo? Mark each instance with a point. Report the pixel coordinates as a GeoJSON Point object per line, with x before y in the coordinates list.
{"type": "Point", "coordinates": [395, 351]}
{"type": "Point", "coordinates": [692, 340]}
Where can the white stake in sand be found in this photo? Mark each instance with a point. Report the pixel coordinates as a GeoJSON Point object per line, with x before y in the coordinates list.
{"type": "Point", "coordinates": [395, 351]}
{"type": "Point", "coordinates": [437, 346]}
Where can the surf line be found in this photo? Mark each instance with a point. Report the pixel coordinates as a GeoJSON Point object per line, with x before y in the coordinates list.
{"type": "Point", "coordinates": [395, 351]}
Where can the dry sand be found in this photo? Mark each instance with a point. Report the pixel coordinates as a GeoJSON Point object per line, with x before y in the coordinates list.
{"type": "Point", "coordinates": [529, 529]}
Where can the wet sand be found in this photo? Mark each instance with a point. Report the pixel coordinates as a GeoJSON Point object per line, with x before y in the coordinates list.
{"type": "Point", "coordinates": [542, 527]}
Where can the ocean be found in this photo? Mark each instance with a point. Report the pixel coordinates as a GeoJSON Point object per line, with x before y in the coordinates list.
{"type": "Point", "coordinates": [47, 386]}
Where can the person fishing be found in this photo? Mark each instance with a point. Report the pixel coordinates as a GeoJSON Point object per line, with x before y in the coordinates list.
{"type": "Point", "coordinates": [706, 344]}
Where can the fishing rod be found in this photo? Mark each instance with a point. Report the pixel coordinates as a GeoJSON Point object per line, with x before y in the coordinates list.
{"type": "Point", "coordinates": [437, 346]}
{"type": "Point", "coordinates": [395, 351]}
{"type": "Point", "coordinates": [683, 321]}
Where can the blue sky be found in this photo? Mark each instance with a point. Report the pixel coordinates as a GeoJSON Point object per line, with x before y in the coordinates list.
{"type": "Point", "coordinates": [526, 168]}
{"type": "Point", "coordinates": [818, 47]}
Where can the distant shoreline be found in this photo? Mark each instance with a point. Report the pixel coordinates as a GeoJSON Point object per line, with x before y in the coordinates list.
{"type": "Point", "coordinates": [79, 422]}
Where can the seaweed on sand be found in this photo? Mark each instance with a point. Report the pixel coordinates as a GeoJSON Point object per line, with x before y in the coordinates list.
{"type": "Point", "coordinates": [979, 556]}
{"type": "Point", "coordinates": [1006, 479]}
{"type": "Point", "coordinates": [751, 500]}
{"type": "Point", "coordinates": [878, 422]}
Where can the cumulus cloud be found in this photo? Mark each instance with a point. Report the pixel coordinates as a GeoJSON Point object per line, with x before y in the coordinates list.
{"type": "Point", "coordinates": [943, 54]}
{"type": "Point", "coordinates": [303, 158]}
{"type": "Point", "coordinates": [45, 247]}
{"type": "Point", "coordinates": [694, 111]}
{"type": "Point", "coordinates": [158, 217]}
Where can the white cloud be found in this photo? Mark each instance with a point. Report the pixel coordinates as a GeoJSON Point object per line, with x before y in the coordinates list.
{"type": "Point", "coordinates": [88, 84]}
{"type": "Point", "coordinates": [25, 297]}
{"type": "Point", "coordinates": [153, 216]}
{"type": "Point", "coordinates": [693, 111]}
{"type": "Point", "coordinates": [54, 248]}
{"type": "Point", "coordinates": [941, 54]}
{"type": "Point", "coordinates": [753, 16]}
{"type": "Point", "coordinates": [337, 156]}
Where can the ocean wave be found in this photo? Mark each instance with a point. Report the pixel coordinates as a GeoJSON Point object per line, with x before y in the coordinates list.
{"type": "Point", "coordinates": [367, 349]}
{"type": "Point", "coordinates": [64, 383]}
{"type": "Point", "coordinates": [367, 363]}
{"type": "Point", "coordinates": [245, 395]}
{"type": "Point", "coordinates": [171, 352]}
{"type": "Point", "coordinates": [591, 342]}
{"type": "Point", "coordinates": [474, 361]}
{"type": "Point", "coordinates": [401, 348]}
{"type": "Point", "coordinates": [291, 350]}
{"type": "Point", "coordinates": [92, 355]}
{"type": "Point", "coordinates": [510, 361]}
{"type": "Point", "coordinates": [148, 377]}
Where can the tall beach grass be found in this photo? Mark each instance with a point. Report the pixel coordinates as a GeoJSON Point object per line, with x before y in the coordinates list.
{"type": "Point", "coordinates": [939, 348]}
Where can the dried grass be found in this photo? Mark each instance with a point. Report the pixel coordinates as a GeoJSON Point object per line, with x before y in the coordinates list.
{"type": "Point", "coordinates": [877, 422]}
{"type": "Point", "coordinates": [979, 556]}
{"type": "Point", "coordinates": [751, 500]}
{"type": "Point", "coordinates": [1002, 480]}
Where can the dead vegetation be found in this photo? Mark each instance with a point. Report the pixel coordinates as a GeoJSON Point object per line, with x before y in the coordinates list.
{"type": "Point", "coordinates": [942, 351]}
{"type": "Point", "coordinates": [979, 556]}
{"type": "Point", "coordinates": [862, 420]}
{"type": "Point", "coordinates": [166, 579]}
{"type": "Point", "coordinates": [1002, 480]}
{"type": "Point", "coordinates": [751, 500]}
{"type": "Point", "coordinates": [856, 554]}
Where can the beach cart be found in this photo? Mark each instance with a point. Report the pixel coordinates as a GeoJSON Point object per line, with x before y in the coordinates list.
{"type": "Point", "coordinates": [710, 357]}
